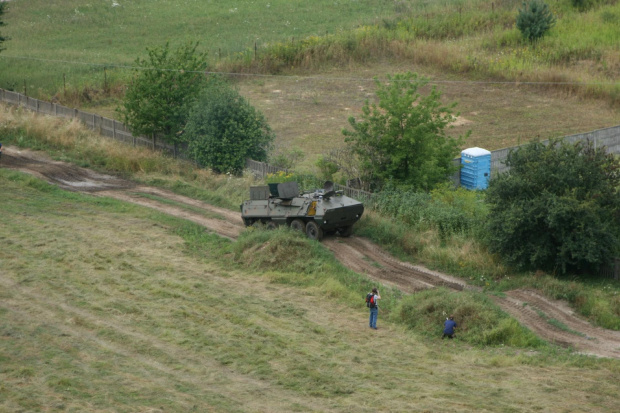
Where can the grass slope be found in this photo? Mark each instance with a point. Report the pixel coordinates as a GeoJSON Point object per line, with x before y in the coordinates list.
{"type": "Point", "coordinates": [110, 307]}
{"type": "Point", "coordinates": [457, 254]}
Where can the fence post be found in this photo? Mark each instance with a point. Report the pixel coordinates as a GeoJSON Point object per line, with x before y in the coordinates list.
{"type": "Point", "coordinates": [113, 128]}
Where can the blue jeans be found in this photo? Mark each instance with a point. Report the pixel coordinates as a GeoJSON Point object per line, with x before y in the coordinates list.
{"type": "Point", "coordinates": [373, 317]}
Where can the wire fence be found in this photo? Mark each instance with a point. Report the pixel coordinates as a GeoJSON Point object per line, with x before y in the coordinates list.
{"type": "Point", "coordinates": [104, 126]}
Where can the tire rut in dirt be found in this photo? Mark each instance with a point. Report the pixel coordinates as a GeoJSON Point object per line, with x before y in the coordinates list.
{"type": "Point", "coordinates": [535, 312]}
{"type": "Point", "coordinates": [364, 257]}
{"type": "Point", "coordinates": [66, 176]}
{"type": "Point", "coordinates": [220, 226]}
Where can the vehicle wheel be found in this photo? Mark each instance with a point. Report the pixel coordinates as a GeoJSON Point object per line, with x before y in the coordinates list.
{"type": "Point", "coordinates": [271, 225]}
{"type": "Point", "coordinates": [313, 231]}
{"type": "Point", "coordinates": [298, 225]}
{"type": "Point", "coordinates": [346, 231]}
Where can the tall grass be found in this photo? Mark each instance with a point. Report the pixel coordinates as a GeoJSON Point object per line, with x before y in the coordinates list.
{"type": "Point", "coordinates": [479, 322]}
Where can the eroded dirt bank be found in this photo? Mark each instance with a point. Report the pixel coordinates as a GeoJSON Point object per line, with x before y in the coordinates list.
{"type": "Point", "coordinates": [528, 306]}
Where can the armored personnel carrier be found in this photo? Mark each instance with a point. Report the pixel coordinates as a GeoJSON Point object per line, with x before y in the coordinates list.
{"type": "Point", "coordinates": [316, 213]}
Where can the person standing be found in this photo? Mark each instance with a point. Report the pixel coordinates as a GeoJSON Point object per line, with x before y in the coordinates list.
{"type": "Point", "coordinates": [374, 307]}
{"type": "Point", "coordinates": [448, 329]}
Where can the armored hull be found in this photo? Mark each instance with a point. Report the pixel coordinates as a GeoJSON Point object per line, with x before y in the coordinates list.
{"type": "Point", "coordinates": [315, 213]}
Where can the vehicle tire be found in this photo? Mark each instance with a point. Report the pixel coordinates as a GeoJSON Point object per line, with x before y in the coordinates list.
{"type": "Point", "coordinates": [313, 231]}
{"type": "Point", "coordinates": [271, 225]}
{"type": "Point", "coordinates": [298, 225]}
{"type": "Point", "coordinates": [345, 231]}
{"type": "Point", "coordinates": [249, 222]}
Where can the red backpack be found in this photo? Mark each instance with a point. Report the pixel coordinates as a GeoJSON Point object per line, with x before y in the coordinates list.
{"type": "Point", "coordinates": [370, 300]}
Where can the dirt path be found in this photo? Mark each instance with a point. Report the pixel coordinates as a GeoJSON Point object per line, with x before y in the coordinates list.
{"type": "Point", "coordinates": [554, 321]}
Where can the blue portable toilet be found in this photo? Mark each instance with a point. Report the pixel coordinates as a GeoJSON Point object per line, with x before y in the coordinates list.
{"type": "Point", "coordinates": [476, 168]}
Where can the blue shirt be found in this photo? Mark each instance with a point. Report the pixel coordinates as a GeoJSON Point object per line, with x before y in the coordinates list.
{"type": "Point", "coordinates": [449, 327]}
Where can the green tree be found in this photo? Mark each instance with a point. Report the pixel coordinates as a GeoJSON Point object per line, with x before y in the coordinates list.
{"type": "Point", "coordinates": [403, 138]}
{"type": "Point", "coordinates": [534, 20]}
{"type": "Point", "coordinates": [557, 208]}
{"type": "Point", "coordinates": [164, 87]}
{"type": "Point", "coordinates": [224, 129]}
{"type": "Point", "coordinates": [2, 38]}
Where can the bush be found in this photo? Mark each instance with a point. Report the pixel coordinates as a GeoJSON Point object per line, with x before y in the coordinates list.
{"type": "Point", "coordinates": [403, 138]}
{"type": "Point", "coordinates": [556, 208]}
{"type": "Point", "coordinates": [479, 321]}
{"type": "Point", "coordinates": [448, 210]}
{"type": "Point", "coordinates": [535, 20]}
{"type": "Point", "coordinates": [224, 129]}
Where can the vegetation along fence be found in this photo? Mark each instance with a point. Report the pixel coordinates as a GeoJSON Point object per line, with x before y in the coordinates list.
{"type": "Point", "coordinates": [105, 126]}
{"type": "Point", "coordinates": [609, 137]}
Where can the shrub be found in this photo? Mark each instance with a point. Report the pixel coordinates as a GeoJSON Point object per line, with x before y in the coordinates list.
{"type": "Point", "coordinates": [479, 320]}
{"type": "Point", "coordinates": [403, 137]}
{"type": "Point", "coordinates": [224, 129]}
{"type": "Point", "coordinates": [448, 210]}
{"type": "Point", "coordinates": [535, 20]}
{"type": "Point", "coordinates": [556, 208]}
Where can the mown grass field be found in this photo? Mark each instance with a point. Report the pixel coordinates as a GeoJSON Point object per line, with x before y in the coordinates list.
{"type": "Point", "coordinates": [111, 307]}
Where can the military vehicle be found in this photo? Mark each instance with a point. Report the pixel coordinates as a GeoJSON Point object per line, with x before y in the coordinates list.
{"type": "Point", "coordinates": [319, 212]}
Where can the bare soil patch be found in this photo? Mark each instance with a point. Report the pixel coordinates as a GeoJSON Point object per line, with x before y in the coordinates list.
{"type": "Point", "coordinates": [529, 307]}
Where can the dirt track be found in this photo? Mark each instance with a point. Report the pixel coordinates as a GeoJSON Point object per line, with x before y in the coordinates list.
{"type": "Point", "coordinates": [529, 307]}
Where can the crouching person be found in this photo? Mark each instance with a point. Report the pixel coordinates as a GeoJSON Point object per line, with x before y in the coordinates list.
{"type": "Point", "coordinates": [449, 326]}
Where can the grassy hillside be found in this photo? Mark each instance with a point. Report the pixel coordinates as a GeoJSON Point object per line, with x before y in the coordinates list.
{"type": "Point", "coordinates": [412, 234]}
{"type": "Point", "coordinates": [111, 307]}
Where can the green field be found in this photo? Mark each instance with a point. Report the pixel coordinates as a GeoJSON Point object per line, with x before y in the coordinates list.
{"type": "Point", "coordinates": [78, 39]}
{"type": "Point", "coordinates": [312, 64]}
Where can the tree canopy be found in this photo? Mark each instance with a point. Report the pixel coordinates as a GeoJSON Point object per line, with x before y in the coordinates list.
{"type": "Point", "coordinates": [164, 87]}
{"type": "Point", "coordinates": [224, 129]}
{"type": "Point", "coordinates": [403, 138]}
{"type": "Point", "coordinates": [557, 208]}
